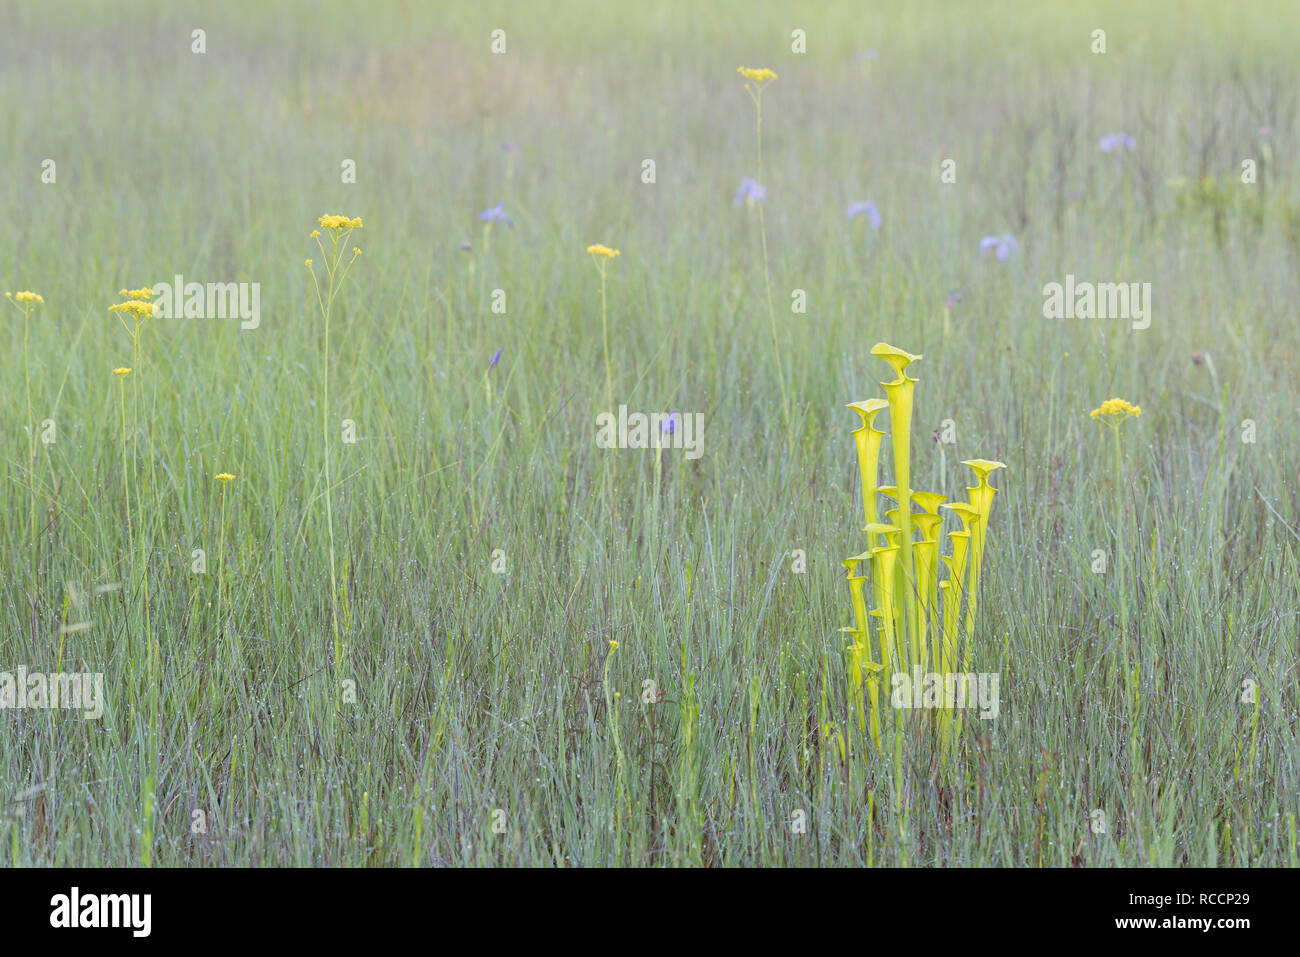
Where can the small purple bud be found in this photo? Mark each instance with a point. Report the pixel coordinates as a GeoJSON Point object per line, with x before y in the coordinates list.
{"type": "Point", "coordinates": [1113, 141]}
{"type": "Point", "coordinates": [857, 209]}
{"type": "Point", "coordinates": [749, 192]}
{"type": "Point", "coordinates": [496, 214]}
{"type": "Point", "coordinates": [1004, 245]}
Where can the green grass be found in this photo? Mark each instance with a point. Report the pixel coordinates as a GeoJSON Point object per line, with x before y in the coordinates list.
{"type": "Point", "coordinates": [480, 692]}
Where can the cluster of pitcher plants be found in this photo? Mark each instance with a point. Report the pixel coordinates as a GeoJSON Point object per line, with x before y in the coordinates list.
{"type": "Point", "coordinates": [915, 618]}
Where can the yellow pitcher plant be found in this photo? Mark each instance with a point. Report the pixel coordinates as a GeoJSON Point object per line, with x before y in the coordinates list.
{"type": "Point", "coordinates": [918, 592]}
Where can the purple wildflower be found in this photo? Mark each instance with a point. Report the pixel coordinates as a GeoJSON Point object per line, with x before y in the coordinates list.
{"type": "Point", "coordinates": [1113, 141]}
{"type": "Point", "coordinates": [954, 297]}
{"type": "Point", "coordinates": [497, 214]}
{"type": "Point", "coordinates": [873, 214]}
{"type": "Point", "coordinates": [496, 357]}
{"type": "Point", "coordinates": [749, 192]}
{"type": "Point", "coordinates": [1005, 245]}
{"type": "Point", "coordinates": [669, 425]}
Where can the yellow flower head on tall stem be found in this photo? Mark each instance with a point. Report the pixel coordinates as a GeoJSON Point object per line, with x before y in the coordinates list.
{"type": "Point", "coordinates": [1116, 411]}
{"type": "Point", "coordinates": [224, 477]}
{"type": "Point", "coordinates": [122, 371]}
{"type": "Point", "coordinates": [25, 297]}
{"type": "Point", "coordinates": [601, 256]}
{"type": "Point", "coordinates": [759, 77]}
{"type": "Point", "coordinates": [142, 293]}
{"type": "Point", "coordinates": [335, 271]}
{"type": "Point", "coordinates": [339, 223]}
{"type": "Point", "coordinates": [135, 307]}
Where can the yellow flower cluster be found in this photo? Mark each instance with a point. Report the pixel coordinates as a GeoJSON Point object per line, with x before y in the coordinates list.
{"type": "Point", "coordinates": [1118, 409]}
{"type": "Point", "coordinates": [760, 76]}
{"type": "Point", "coordinates": [25, 297]}
{"type": "Point", "coordinates": [600, 250]}
{"type": "Point", "coordinates": [225, 477]}
{"type": "Point", "coordinates": [145, 293]}
{"type": "Point", "coordinates": [340, 222]}
{"type": "Point", "coordinates": [135, 307]}
{"type": "Point", "coordinates": [122, 371]}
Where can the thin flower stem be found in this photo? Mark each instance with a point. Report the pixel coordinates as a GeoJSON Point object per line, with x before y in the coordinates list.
{"type": "Point", "coordinates": [1119, 550]}
{"type": "Point", "coordinates": [330, 262]}
{"type": "Point", "coordinates": [604, 331]}
{"type": "Point", "coordinates": [767, 279]}
{"type": "Point", "coordinates": [126, 479]}
{"type": "Point", "coordinates": [329, 495]}
{"type": "Point", "coordinates": [31, 433]}
{"type": "Point", "coordinates": [221, 562]}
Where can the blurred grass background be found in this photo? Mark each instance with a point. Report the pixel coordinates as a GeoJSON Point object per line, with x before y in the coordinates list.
{"type": "Point", "coordinates": [480, 692]}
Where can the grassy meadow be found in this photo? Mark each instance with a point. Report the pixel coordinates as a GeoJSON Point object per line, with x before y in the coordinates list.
{"type": "Point", "coordinates": [398, 650]}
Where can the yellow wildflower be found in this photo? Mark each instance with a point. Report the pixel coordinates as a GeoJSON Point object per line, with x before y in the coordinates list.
{"type": "Point", "coordinates": [613, 646]}
{"type": "Point", "coordinates": [601, 250]}
{"type": "Point", "coordinates": [307, 263]}
{"type": "Point", "coordinates": [225, 477]}
{"type": "Point", "coordinates": [759, 76]}
{"type": "Point", "coordinates": [136, 293]}
{"type": "Point", "coordinates": [1117, 409]}
{"type": "Point", "coordinates": [121, 371]}
{"type": "Point", "coordinates": [337, 223]}
{"type": "Point", "coordinates": [135, 307]}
